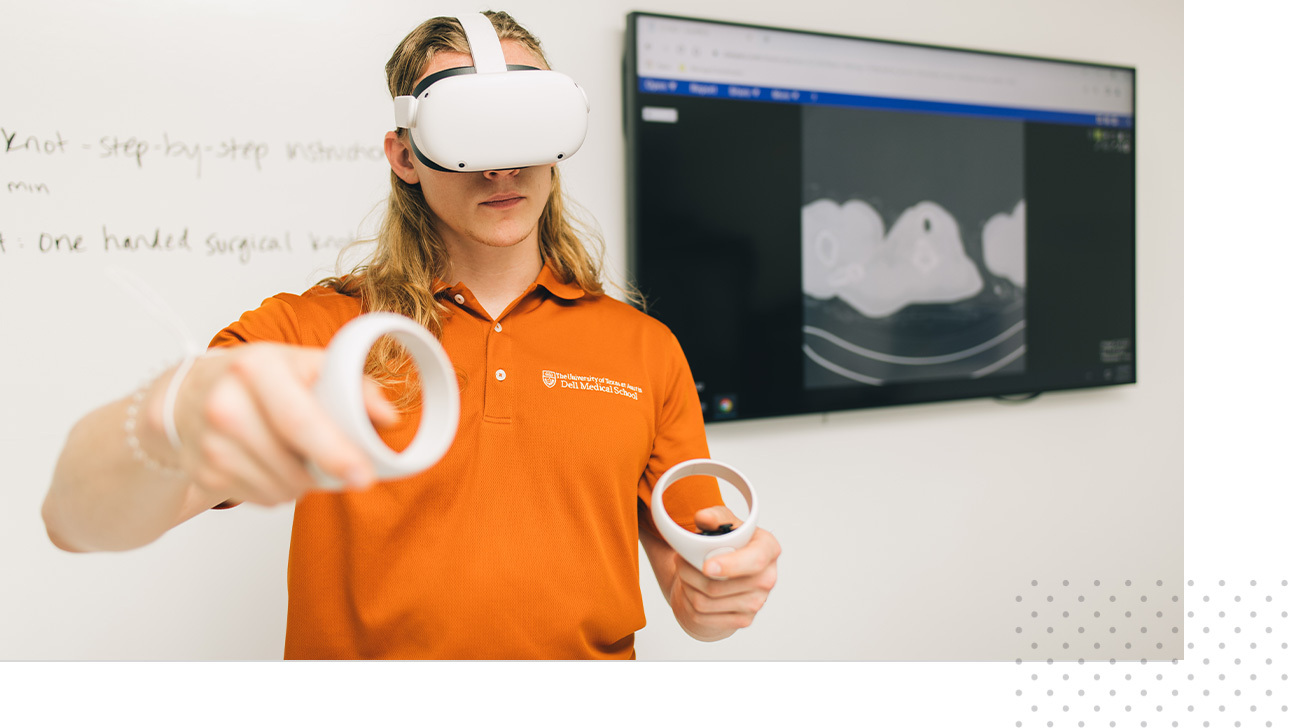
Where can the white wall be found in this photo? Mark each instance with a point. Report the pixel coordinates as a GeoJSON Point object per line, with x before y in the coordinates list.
{"type": "Point", "coordinates": [908, 532]}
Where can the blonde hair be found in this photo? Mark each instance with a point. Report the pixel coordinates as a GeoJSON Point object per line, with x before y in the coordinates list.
{"type": "Point", "coordinates": [410, 257]}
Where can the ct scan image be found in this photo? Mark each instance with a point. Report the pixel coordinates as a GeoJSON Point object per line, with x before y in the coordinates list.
{"type": "Point", "coordinates": [913, 247]}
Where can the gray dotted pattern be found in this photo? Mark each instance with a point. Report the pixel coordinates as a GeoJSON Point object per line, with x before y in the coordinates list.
{"type": "Point", "coordinates": [1099, 620]}
{"type": "Point", "coordinates": [1235, 672]}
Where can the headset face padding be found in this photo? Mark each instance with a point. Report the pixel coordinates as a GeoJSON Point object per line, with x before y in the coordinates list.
{"type": "Point", "coordinates": [464, 120]}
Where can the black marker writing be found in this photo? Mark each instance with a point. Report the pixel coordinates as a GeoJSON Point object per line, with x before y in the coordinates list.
{"type": "Point", "coordinates": [30, 143]}
{"type": "Point", "coordinates": [234, 150]}
{"type": "Point", "coordinates": [244, 246]}
{"type": "Point", "coordinates": [179, 241]}
{"type": "Point", "coordinates": [180, 149]}
{"type": "Point", "coordinates": [50, 242]}
{"type": "Point", "coordinates": [329, 242]}
{"type": "Point", "coordinates": [111, 146]}
{"type": "Point", "coordinates": [147, 241]}
{"type": "Point", "coordinates": [317, 151]}
{"type": "Point", "coordinates": [34, 188]}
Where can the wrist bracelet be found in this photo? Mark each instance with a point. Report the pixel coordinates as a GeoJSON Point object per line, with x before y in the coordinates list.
{"type": "Point", "coordinates": [168, 402]}
{"type": "Point", "coordinates": [132, 435]}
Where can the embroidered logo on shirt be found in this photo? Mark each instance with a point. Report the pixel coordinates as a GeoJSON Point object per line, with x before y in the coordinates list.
{"type": "Point", "coordinates": [591, 384]}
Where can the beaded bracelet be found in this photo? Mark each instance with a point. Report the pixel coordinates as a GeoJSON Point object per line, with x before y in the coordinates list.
{"type": "Point", "coordinates": [132, 436]}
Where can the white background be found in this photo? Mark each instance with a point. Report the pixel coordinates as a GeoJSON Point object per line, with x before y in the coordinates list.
{"type": "Point", "coordinates": [1236, 495]}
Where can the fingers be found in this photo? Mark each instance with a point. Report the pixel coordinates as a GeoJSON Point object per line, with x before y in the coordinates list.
{"type": "Point", "coordinates": [730, 598]}
{"type": "Point", "coordinates": [716, 609]}
{"type": "Point", "coordinates": [229, 472]}
{"type": "Point", "coordinates": [250, 423]}
{"type": "Point", "coordinates": [380, 410]}
{"type": "Point", "coordinates": [242, 452]}
{"type": "Point", "coordinates": [745, 603]}
{"type": "Point", "coordinates": [715, 518]}
{"type": "Point", "coordinates": [762, 550]}
{"type": "Point", "coordinates": [764, 580]}
{"type": "Point", "coordinates": [278, 380]}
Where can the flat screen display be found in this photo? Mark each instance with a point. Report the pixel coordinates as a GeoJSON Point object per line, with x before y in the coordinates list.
{"type": "Point", "coordinates": [831, 222]}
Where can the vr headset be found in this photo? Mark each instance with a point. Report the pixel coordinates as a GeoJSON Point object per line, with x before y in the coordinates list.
{"type": "Point", "coordinates": [491, 115]}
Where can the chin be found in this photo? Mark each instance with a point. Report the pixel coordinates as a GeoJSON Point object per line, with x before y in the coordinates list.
{"type": "Point", "coordinates": [507, 237]}
{"type": "Point", "coordinates": [502, 241]}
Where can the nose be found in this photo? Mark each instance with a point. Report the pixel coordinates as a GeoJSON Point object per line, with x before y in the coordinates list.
{"type": "Point", "coordinates": [501, 173]}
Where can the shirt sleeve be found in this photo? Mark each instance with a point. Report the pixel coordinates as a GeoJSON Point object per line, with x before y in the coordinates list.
{"type": "Point", "coordinates": [305, 320]}
{"type": "Point", "coordinates": [680, 435]}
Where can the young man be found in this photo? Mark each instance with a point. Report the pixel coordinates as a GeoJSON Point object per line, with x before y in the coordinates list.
{"type": "Point", "coordinates": [522, 541]}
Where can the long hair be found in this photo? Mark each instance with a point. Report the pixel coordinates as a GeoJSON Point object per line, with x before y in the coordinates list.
{"type": "Point", "coordinates": [410, 256]}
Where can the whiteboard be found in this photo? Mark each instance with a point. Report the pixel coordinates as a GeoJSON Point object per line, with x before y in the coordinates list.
{"type": "Point", "coordinates": [221, 152]}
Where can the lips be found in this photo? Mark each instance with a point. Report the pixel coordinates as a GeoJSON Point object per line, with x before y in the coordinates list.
{"type": "Point", "coordinates": [503, 201]}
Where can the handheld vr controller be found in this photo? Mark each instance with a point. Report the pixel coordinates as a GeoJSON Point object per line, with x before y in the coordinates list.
{"type": "Point", "coordinates": [340, 391]}
{"type": "Point", "coordinates": [697, 548]}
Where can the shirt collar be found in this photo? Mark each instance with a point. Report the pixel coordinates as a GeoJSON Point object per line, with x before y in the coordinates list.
{"type": "Point", "coordinates": [546, 279]}
{"type": "Point", "coordinates": [549, 280]}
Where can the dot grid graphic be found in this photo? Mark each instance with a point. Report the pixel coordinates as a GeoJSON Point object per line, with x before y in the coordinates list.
{"type": "Point", "coordinates": [1088, 655]}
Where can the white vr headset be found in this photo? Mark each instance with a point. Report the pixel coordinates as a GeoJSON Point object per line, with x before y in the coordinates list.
{"type": "Point", "coordinates": [491, 115]}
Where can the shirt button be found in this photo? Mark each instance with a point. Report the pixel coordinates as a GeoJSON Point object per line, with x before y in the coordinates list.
{"type": "Point", "coordinates": [498, 327]}
{"type": "Point", "coordinates": [459, 298]}
{"type": "Point", "coordinates": [500, 375]}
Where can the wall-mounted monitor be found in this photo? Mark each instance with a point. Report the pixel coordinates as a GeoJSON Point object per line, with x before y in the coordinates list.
{"type": "Point", "coordinates": [831, 222]}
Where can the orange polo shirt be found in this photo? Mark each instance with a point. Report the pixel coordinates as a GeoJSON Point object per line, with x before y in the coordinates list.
{"type": "Point", "coordinates": [522, 541]}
